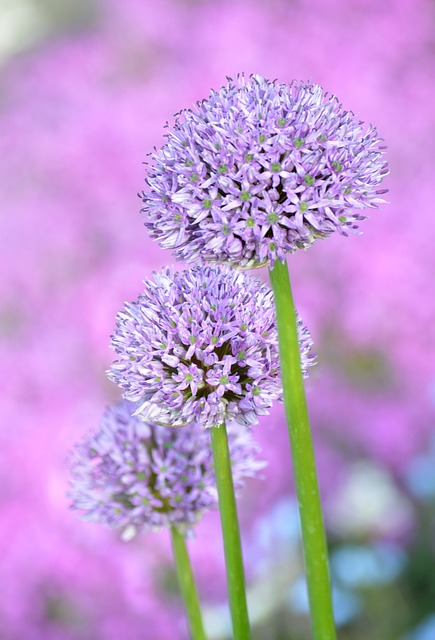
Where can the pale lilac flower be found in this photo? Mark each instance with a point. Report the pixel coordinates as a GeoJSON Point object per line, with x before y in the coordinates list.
{"type": "Point", "coordinates": [138, 476]}
{"type": "Point", "coordinates": [258, 170]}
{"type": "Point", "coordinates": [201, 345]}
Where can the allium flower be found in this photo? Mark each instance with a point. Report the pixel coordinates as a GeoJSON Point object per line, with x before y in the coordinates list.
{"type": "Point", "coordinates": [140, 477]}
{"type": "Point", "coordinates": [258, 170]}
{"type": "Point", "coordinates": [201, 345]}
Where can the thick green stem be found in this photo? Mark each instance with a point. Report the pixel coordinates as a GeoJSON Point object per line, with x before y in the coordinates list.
{"type": "Point", "coordinates": [231, 534]}
{"type": "Point", "coordinates": [304, 466]}
{"type": "Point", "coordinates": [187, 585]}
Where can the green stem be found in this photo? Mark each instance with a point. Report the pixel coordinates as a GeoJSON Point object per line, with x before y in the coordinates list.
{"type": "Point", "coordinates": [231, 534]}
{"type": "Point", "coordinates": [187, 585]}
{"type": "Point", "coordinates": [304, 465]}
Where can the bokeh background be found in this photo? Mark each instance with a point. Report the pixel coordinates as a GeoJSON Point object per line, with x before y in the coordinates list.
{"type": "Point", "coordinates": [85, 90]}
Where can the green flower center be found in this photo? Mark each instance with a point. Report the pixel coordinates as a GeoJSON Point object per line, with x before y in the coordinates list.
{"type": "Point", "coordinates": [309, 180]}
{"type": "Point", "coordinates": [275, 167]}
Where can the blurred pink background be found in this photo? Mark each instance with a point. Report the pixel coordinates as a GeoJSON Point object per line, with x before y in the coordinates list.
{"type": "Point", "coordinates": [82, 102]}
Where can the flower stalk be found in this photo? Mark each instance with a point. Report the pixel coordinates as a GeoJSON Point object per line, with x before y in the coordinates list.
{"type": "Point", "coordinates": [187, 585]}
{"type": "Point", "coordinates": [304, 466]}
{"type": "Point", "coordinates": [231, 534]}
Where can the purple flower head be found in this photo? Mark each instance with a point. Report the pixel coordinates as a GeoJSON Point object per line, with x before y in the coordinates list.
{"type": "Point", "coordinates": [201, 345]}
{"type": "Point", "coordinates": [258, 170]}
{"type": "Point", "coordinates": [139, 477]}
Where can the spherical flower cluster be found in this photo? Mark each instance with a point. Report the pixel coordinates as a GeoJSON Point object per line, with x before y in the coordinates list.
{"type": "Point", "coordinates": [258, 170]}
{"type": "Point", "coordinates": [139, 477]}
{"type": "Point", "coordinates": [201, 345]}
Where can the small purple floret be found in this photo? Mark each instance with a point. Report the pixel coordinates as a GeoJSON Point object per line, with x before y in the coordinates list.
{"type": "Point", "coordinates": [201, 345]}
{"type": "Point", "coordinates": [140, 477]}
{"type": "Point", "coordinates": [258, 170]}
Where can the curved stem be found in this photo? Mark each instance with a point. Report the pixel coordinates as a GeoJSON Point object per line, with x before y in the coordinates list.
{"type": "Point", "coordinates": [304, 465]}
{"type": "Point", "coordinates": [187, 585]}
{"type": "Point", "coordinates": [231, 534]}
